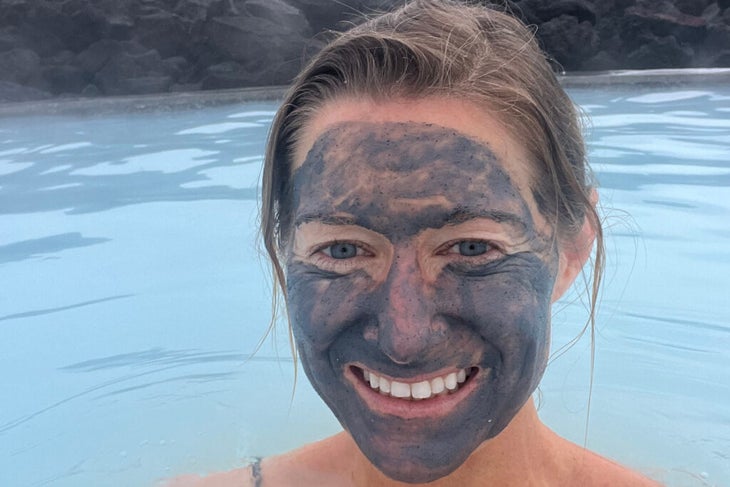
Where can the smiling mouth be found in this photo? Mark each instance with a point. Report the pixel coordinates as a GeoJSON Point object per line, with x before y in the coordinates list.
{"type": "Point", "coordinates": [439, 386]}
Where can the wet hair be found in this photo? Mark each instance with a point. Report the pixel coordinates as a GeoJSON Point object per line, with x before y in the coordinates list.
{"type": "Point", "coordinates": [443, 48]}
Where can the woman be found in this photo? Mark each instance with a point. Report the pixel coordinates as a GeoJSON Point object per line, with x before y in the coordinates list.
{"type": "Point", "coordinates": [425, 201]}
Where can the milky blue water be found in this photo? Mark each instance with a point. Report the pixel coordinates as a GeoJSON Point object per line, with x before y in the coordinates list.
{"type": "Point", "coordinates": [132, 295]}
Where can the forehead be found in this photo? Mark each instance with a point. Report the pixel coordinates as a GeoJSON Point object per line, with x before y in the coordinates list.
{"type": "Point", "coordinates": [373, 144]}
{"type": "Point", "coordinates": [455, 115]}
{"type": "Point", "coordinates": [398, 178]}
{"type": "Point", "coordinates": [391, 150]}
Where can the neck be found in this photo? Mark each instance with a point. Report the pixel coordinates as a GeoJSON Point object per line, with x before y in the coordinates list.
{"type": "Point", "coordinates": [525, 442]}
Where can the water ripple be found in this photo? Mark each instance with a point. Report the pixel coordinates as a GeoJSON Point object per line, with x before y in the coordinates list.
{"type": "Point", "coordinates": [37, 247]}
{"type": "Point", "coordinates": [39, 312]}
{"type": "Point", "coordinates": [162, 360]}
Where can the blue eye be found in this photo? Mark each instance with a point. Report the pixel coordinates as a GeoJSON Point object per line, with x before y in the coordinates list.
{"type": "Point", "coordinates": [341, 250]}
{"type": "Point", "coordinates": [470, 248]}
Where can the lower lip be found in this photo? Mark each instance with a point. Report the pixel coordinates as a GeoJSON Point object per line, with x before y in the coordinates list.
{"type": "Point", "coordinates": [425, 408]}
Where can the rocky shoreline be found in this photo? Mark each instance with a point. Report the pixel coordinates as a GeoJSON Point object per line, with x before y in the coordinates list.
{"type": "Point", "coordinates": [92, 48]}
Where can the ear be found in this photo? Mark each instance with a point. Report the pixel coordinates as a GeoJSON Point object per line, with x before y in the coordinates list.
{"type": "Point", "coordinates": [574, 252]}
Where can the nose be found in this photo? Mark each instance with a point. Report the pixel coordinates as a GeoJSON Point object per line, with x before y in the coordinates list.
{"type": "Point", "coordinates": [407, 322]}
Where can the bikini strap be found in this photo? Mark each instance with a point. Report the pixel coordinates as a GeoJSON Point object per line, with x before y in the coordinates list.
{"type": "Point", "coordinates": [256, 471]}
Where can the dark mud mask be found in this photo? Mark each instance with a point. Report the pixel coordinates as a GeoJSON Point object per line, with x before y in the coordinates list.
{"type": "Point", "coordinates": [390, 284]}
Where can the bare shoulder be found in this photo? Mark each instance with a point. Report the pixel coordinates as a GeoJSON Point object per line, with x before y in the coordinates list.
{"type": "Point", "coordinates": [240, 477]}
{"type": "Point", "coordinates": [591, 469]}
{"type": "Point", "coordinates": [321, 464]}
{"type": "Point", "coordinates": [318, 464]}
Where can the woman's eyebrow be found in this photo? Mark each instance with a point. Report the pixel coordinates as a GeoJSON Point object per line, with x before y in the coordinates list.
{"type": "Point", "coordinates": [454, 217]}
{"type": "Point", "coordinates": [325, 219]}
{"type": "Point", "coordinates": [461, 215]}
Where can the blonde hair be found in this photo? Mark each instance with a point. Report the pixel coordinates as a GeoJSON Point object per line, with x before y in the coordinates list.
{"type": "Point", "coordinates": [449, 49]}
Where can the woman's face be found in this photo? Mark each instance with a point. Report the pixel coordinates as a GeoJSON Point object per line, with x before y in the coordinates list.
{"type": "Point", "coordinates": [419, 277]}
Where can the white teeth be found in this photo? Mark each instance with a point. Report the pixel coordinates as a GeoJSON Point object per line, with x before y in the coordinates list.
{"type": "Point", "coordinates": [426, 389]}
{"type": "Point", "coordinates": [421, 390]}
{"type": "Point", "coordinates": [450, 381]}
{"type": "Point", "coordinates": [437, 385]}
{"type": "Point", "coordinates": [384, 385]}
{"type": "Point", "coordinates": [399, 389]}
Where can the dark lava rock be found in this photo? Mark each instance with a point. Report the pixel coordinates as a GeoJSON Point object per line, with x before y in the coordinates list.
{"type": "Point", "coordinates": [64, 79]}
{"type": "Point", "coordinates": [78, 23]}
{"type": "Point", "coordinates": [119, 27]}
{"type": "Point", "coordinates": [603, 61]}
{"type": "Point", "coordinates": [718, 38]}
{"type": "Point", "coordinates": [60, 58]}
{"type": "Point", "coordinates": [175, 67]}
{"type": "Point", "coordinates": [115, 47]}
{"type": "Point", "coordinates": [185, 87]}
{"type": "Point", "coordinates": [328, 14]}
{"type": "Point", "coordinates": [43, 43]}
{"type": "Point", "coordinates": [287, 17]}
{"type": "Point", "coordinates": [13, 12]}
{"type": "Point", "coordinates": [569, 41]}
{"type": "Point", "coordinates": [540, 11]}
{"type": "Point", "coordinates": [19, 65]}
{"type": "Point", "coordinates": [260, 45]}
{"type": "Point", "coordinates": [13, 92]}
{"type": "Point", "coordinates": [612, 8]}
{"type": "Point", "coordinates": [663, 52]}
{"type": "Point", "coordinates": [132, 73]}
{"type": "Point", "coordinates": [722, 60]}
{"type": "Point", "coordinates": [144, 85]}
{"type": "Point", "coordinates": [692, 7]}
{"type": "Point", "coordinates": [165, 32]}
{"type": "Point", "coordinates": [200, 10]}
{"type": "Point", "coordinates": [10, 38]}
{"type": "Point", "coordinates": [664, 19]}
{"type": "Point", "coordinates": [711, 13]}
{"type": "Point", "coordinates": [243, 38]}
{"type": "Point", "coordinates": [90, 90]}
{"type": "Point", "coordinates": [99, 53]}
{"type": "Point", "coordinates": [229, 74]}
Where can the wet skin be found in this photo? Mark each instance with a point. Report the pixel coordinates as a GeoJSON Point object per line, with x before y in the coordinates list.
{"type": "Point", "coordinates": [414, 253]}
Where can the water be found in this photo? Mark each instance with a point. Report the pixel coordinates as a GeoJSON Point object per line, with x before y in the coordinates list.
{"type": "Point", "coordinates": [132, 295]}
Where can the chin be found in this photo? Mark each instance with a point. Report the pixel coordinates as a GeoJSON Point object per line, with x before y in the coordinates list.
{"type": "Point", "coordinates": [416, 471]}
{"type": "Point", "coordinates": [417, 475]}
{"type": "Point", "coordinates": [417, 460]}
